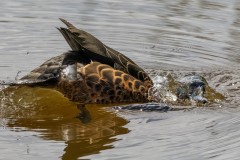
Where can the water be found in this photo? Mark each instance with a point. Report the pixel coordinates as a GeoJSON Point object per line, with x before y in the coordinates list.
{"type": "Point", "coordinates": [176, 37]}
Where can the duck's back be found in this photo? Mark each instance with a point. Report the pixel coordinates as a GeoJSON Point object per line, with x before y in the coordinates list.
{"type": "Point", "coordinates": [100, 83]}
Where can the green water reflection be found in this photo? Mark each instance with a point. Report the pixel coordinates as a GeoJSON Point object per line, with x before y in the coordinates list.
{"type": "Point", "coordinates": [54, 118]}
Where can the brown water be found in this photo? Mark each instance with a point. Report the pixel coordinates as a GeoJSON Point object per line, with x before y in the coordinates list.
{"type": "Point", "coordinates": [177, 37]}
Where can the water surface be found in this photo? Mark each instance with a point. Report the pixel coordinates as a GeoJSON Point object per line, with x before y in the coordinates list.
{"type": "Point", "coordinates": [176, 37]}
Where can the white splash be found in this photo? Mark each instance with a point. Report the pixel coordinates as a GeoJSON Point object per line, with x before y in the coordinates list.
{"type": "Point", "coordinates": [160, 91]}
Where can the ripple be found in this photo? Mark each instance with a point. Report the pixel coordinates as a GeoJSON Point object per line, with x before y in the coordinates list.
{"type": "Point", "coordinates": [196, 134]}
{"type": "Point", "coordinates": [162, 36]}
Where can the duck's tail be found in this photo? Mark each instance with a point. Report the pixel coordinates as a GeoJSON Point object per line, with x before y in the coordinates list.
{"type": "Point", "coordinates": [69, 37]}
{"type": "Point", "coordinates": [95, 50]}
{"type": "Point", "coordinates": [79, 39]}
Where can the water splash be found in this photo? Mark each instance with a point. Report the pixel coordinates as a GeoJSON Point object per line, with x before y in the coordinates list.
{"type": "Point", "coordinates": [2, 94]}
{"type": "Point", "coordinates": [160, 92]}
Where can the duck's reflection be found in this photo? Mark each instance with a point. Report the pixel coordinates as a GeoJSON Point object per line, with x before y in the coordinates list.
{"type": "Point", "coordinates": [47, 112]}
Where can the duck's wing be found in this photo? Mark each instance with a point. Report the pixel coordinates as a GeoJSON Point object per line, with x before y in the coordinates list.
{"type": "Point", "coordinates": [44, 75]}
{"type": "Point", "coordinates": [80, 40]}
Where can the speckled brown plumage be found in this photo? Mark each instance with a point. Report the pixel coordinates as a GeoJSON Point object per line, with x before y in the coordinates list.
{"type": "Point", "coordinates": [101, 83]}
{"type": "Point", "coordinates": [92, 72]}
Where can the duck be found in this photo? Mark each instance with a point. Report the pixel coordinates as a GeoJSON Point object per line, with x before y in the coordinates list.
{"type": "Point", "coordinates": [91, 72]}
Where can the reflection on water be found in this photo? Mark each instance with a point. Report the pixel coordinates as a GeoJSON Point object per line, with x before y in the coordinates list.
{"type": "Point", "coordinates": [55, 118]}
{"type": "Point", "coordinates": [179, 36]}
